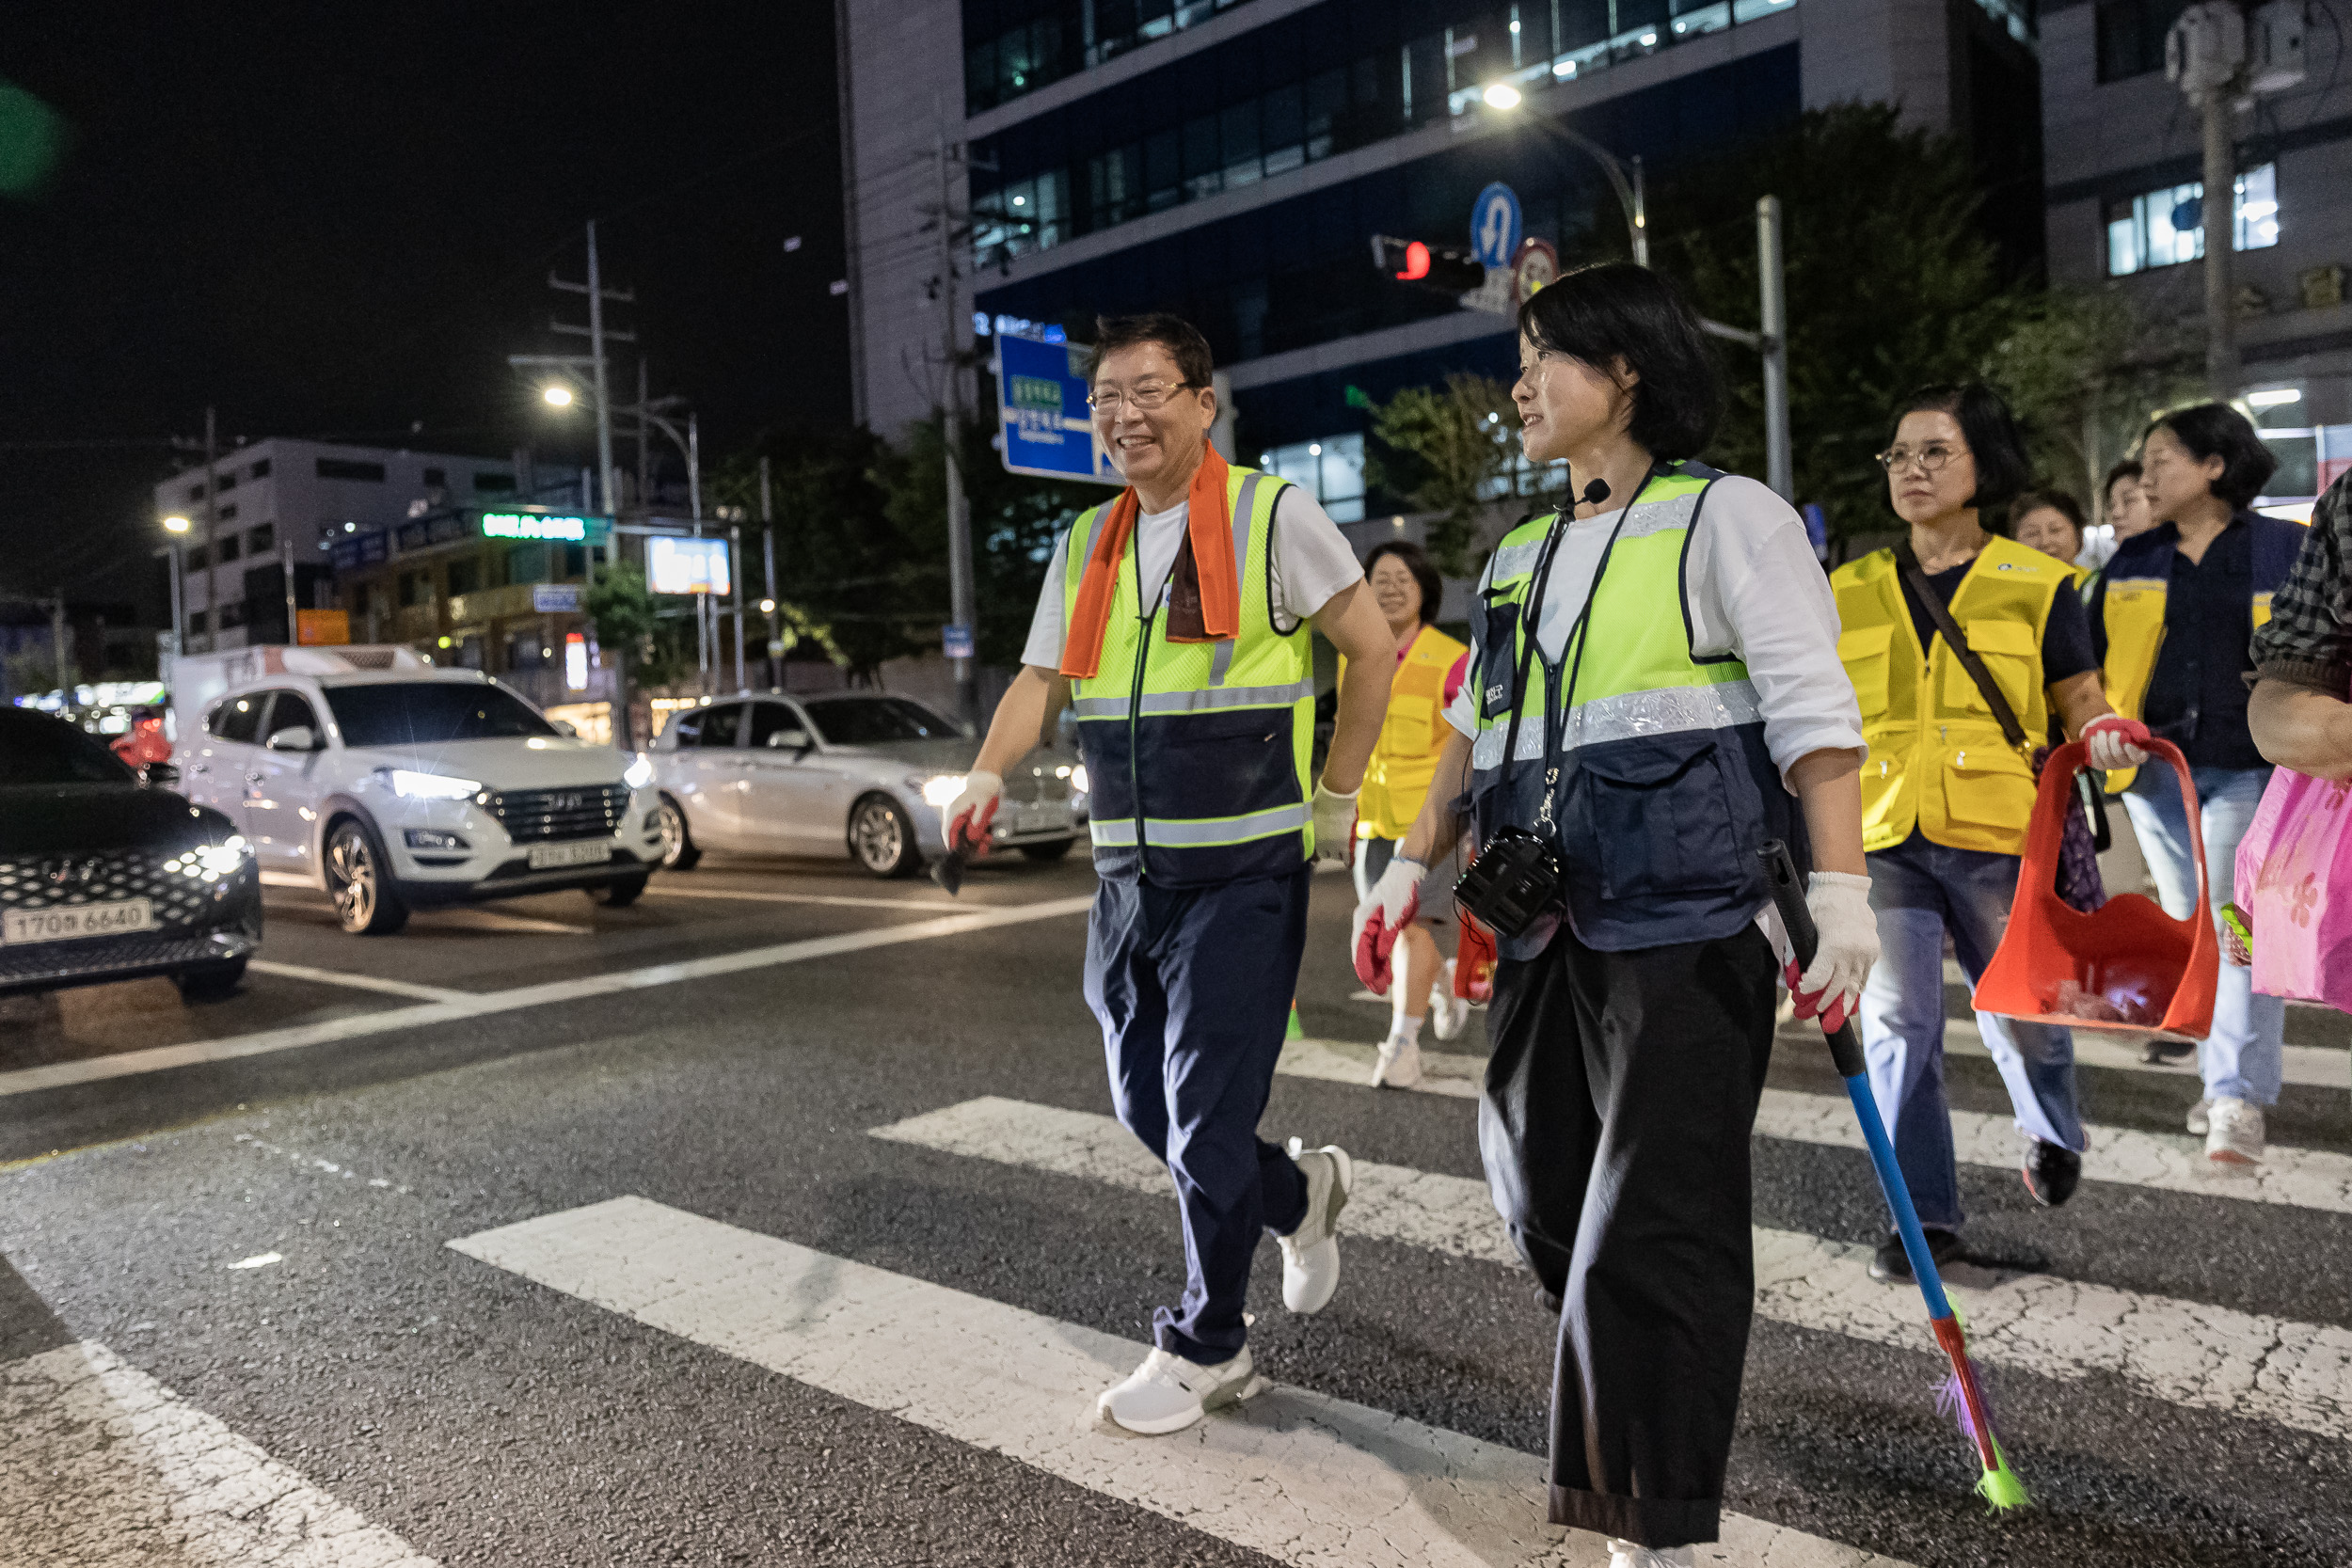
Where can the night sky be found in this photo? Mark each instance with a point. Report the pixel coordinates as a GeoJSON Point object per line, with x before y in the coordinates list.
{"type": "Point", "coordinates": [339, 220]}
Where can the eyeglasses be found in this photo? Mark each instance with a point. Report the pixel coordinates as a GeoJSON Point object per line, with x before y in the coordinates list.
{"type": "Point", "coordinates": [1931, 457]}
{"type": "Point", "coordinates": [1150, 395]}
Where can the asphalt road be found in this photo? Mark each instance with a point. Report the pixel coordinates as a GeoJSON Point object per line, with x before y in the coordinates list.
{"type": "Point", "coordinates": [787, 1229]}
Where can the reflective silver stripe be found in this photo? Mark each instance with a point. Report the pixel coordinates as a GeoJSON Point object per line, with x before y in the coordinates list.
{"type": "Point", "coordinates": [1221, 661]}
{"type": "Point", "coordinates": [1668, 711]}
{"type": "Point", "coordinates": [1656, 517]}
{"type": "Point", "coordinates": [1202, 832]}
{"type": "Point", "coordinates": [1514, 561]}
{"type": "Point", "coordinates": [1094, 533]}
{"type": "Point", "coordinates": [1204, 700]}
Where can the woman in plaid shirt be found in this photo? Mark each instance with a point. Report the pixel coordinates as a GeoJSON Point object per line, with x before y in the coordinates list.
{"type": "Point", "coordinates": [2300, 715]}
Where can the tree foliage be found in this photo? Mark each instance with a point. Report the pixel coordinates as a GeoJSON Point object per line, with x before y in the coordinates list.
{"type": "Point", "coordinates": [2084, 369]}
{"type": "Point", "coordinates": [1891, 283]}
{"type": "Point", "coordinates": [1446, 450]}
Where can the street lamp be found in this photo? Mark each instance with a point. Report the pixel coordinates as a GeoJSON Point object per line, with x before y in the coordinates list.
{"type": "Point", "coordinates": [178, 527]}
{"type": "Point", "coordinates": [558, 395]}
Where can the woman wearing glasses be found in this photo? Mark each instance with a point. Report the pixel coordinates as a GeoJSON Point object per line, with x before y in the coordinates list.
{"type": "Point", "coordinates": [1949, 788]}
{"type": "Point", "coordinates": [1656, 694]}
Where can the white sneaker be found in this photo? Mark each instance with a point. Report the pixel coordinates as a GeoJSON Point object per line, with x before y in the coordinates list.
{"type": "Point", "coordinates": [1399, 1067]}
{"type": "Point", "coordinates": [1311, 1254]}
{"type": "Point", "coordinates": [1168, 1393]}
{"type": "Point", "coordinates": [2196, 1122]}
{"type": "Point", "coordinates": [2233, 1134]}
{"type": "Point", "coordinates": [1625, 1554]}
{"type": "Point", "coordinates": [1449, 1014]}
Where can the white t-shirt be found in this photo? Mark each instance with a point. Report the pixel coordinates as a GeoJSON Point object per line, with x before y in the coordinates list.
{"type": "Point", "coordinates": [1755, 591]}
{"type": "Point", "coordinates": [1313, 562]}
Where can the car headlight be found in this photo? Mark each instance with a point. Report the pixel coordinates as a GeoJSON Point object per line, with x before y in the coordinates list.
{"type": "Point", "coordinates": [212, 861]}
{"type": "Point", "coordinates": [639, 773]}
{"type": "Point", "coordinates": [940, 790]}
{"type": "Point", "coordinates": [1078, 779]}
{"type": "Point", "coordinates": [428, 786]}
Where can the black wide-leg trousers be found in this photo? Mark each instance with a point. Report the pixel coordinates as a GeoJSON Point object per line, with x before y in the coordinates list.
{"type": "Point", "coordinates": [1619, 1100]}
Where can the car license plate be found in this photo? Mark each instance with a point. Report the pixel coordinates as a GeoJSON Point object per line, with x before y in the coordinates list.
{"type": "Point", "coordinates": [550, 857]}
{"type": "Point", "coordinates": [1040, 819]}
{"type": "Point", "coordinates": [113, 919]}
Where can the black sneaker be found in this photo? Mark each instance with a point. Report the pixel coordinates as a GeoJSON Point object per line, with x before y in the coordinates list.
{"type": "Point", "coordinates": [1889, 1264]}
{"type": "Point", "coordinates": [2051, 1171]}
{"type": "Point", "coordinates": [2159, 1052]}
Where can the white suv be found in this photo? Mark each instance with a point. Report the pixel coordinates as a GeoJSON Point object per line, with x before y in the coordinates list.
{"type": "Point", "coordinates": [413, 787]}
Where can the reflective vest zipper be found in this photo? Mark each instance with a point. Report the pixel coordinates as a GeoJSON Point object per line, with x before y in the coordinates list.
{"type": "Point", "coordinates": [1134, 761]}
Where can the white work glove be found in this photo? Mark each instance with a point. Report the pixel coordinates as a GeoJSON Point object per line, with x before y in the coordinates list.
{"type": "Point", "coordinates": [970, 813]}
{"type": "Point", "coordinates": [2116, 741]}
{"type": "Point", "coordinates": [1385, 912]}
{"type": "Point", "coordinates": [1849, 931]}
{"type": "Point", "coordinates": [1335, 824]}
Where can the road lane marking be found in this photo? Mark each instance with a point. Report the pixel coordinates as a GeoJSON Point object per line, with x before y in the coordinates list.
{"type": "Point", "coordinates": [661, 889]}
{"type": "Point", "coordinates": [484, 1003]}
{"type": "Point", "coordinates": [1298, 1476]}
{"type": "Point", "coordinates": [2175, 1163]}
{"type": "Point", "coordinates": [2318, 1066]}
{"type": "Point", "coordinates": [356, 982]}
{"type": "Point", "coordinates": [100, 1462]}
{"type": "Point", "coordinates": [2191, 1353]}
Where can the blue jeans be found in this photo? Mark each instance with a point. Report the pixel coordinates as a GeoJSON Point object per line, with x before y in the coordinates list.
{"type": "Point", "coordinates": [2243, 1058]}
{"type": "Point", "coordinates": [1919, 891]}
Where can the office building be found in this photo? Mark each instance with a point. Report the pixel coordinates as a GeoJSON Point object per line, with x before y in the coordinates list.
{"type": "Point", "coordinates": [279, 499]}
{"type": "Point", "coordinates": [2124, 171]}
{"type": "Point", "coordinates": [1230, 162]}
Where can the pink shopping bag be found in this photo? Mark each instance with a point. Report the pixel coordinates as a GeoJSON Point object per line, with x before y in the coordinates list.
{"type": "Point", "coordinates": [2294, 883]}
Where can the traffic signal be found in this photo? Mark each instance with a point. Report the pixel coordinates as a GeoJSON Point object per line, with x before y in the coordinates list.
{"type": "Point", "coordinates": [1429, 266]}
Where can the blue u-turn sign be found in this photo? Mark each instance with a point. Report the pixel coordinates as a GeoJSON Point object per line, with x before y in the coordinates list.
{"type": "Point", "coordinates": [1494, 226]}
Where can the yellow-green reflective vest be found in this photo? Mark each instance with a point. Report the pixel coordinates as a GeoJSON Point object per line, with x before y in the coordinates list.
{"type": "Point", "coordinates": [1662, 791]}
{"type": "Point", "coordinates": [1196, 753]}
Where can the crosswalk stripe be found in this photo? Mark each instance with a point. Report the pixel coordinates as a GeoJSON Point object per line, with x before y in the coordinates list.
{"type": "Point", "coordinates": [2190, 1354]}
{"type": "Point", "coordinates": [2298, 1177]}
{"type": "Point", "coordinates": [357, 981]}
{"type": "Point", "coordinates": [1298, 1476]}
{"type": "Point", "coordinates": [100, 1462]}
{"type": "Point", "coordinates": [484, 1003]}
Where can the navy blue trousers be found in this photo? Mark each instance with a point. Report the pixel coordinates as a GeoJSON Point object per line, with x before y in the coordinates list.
{"type": "Point", "coordinates": [1193, 987]}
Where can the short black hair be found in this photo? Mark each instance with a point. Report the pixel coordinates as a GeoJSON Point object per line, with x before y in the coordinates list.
{"type": "Point", "coordinates": [2061, 502]}
{"type": "Point", "coordinates": [2129, 468]}
{"type": "Point", "coordinates": [1182, 340]}
{"type": "Point", "coordinates": [1416, 562]}
{"type": "Point", "coordinates": [1988, 427]}
{"type": "Point", "coordinates": [1615, 311]}
{"type": "Point", "coordinates": [2218, 430]}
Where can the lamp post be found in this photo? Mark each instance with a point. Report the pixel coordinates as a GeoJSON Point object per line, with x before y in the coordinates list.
{"type": "Point", "coordinates": [178, 527]}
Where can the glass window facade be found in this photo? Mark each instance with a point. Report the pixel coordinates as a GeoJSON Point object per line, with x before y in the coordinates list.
{"type": "Point", "coordinates": [1294, 92]}
{"type": "Point", "coordinates": [1330, 470]}
{"type": "Point", "coordinates": [1013, 47]}
{"type": "Point", "coordinates": [2165, 228]}
{"type": "Point", "coordinates": [2129, 36]}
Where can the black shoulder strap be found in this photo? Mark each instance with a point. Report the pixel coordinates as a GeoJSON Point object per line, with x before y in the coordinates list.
{"type": "Point", "coordinates": [2003, 714]}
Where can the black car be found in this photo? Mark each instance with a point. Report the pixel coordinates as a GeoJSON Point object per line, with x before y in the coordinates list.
{"type": "Point", "coordinates": [103, 878]}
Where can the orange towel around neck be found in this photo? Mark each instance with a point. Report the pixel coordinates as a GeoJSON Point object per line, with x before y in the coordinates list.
{"type": "Point", "coordinates": [1207, 552]}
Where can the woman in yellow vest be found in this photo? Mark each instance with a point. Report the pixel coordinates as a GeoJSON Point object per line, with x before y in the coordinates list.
{"type": "Point", "coordinates": [1946, 797]}
{"type": "Point", "coordinates": [1429, 670]}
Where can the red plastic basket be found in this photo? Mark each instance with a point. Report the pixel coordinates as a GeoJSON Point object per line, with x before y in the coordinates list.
{"type": "Point", "coordinates": [2129, 951]}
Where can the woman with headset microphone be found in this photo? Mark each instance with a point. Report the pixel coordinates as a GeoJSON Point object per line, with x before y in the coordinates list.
{"type": "Point", "coordinates": [1655, 694]}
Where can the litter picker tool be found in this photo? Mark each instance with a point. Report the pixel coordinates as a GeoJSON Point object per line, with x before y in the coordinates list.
{"type": "Point", "coordinates": [1963, 1394]}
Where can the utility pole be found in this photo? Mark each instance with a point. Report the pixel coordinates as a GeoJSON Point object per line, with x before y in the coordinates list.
{"type": "Point", "coordinates": [735, 571]}
{"type": "Point", "coordinates": [211, 537]}
{"type": "Point", "coordinates": [294, 601]}
{"type": "Point", "coordinates": [767, 555]}
{"type": "Point", "coordinates": [961, 607]}
{"type": "Point", "coordinates": [597, 333]}
{"type": "Point", "coordinates": [1780, 464]}
{"type": "Point", "coordinates": [1641, 216]}
{"type": "Point", "coordinates": [644, 441]}
{"type": "Point", "coordinates": [57, 644]}
{"type": "Point", "coordinates": [2220, 212]}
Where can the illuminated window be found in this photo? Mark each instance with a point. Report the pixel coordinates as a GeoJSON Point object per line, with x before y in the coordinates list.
{"type": "Point", "coordinates": [2165, 228]}
{"type": "Point", "coordinates": [1332, 470]}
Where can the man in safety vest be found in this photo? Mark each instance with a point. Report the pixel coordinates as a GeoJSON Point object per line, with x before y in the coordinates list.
{"type": "Point", "coordinates": [1173, 618]}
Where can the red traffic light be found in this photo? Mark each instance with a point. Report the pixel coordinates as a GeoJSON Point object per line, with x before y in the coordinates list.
{"type": "Point", "coordinates": [1416, 262]}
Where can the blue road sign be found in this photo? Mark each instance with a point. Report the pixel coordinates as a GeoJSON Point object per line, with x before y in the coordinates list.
{"type": "Point", "coordinates": [955, 642]}
{"type": "Point", "coordinates": [1041, 412]}
{"type": "Point", "coordinates": [1495, 224]}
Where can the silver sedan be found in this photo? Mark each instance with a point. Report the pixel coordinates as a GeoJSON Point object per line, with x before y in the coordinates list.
{"type": "Point", "coordinates": [856, 774]}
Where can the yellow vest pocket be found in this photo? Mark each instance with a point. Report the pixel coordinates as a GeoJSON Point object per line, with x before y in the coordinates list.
{"type": "Point", "coordinates": [1865, 654]}
{"type": "Point", "coordinates": [2011, 652]}
{"type": "Point", "coordinates": [1989, 785]}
